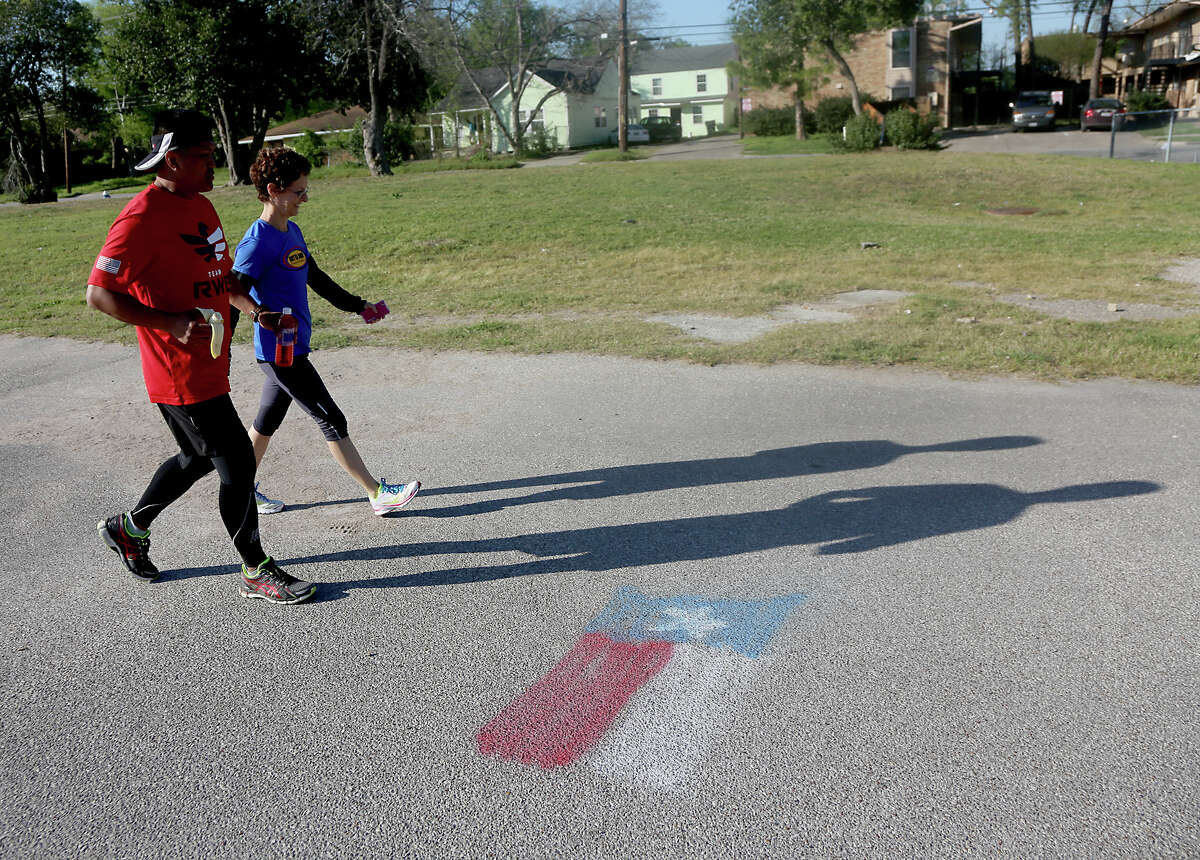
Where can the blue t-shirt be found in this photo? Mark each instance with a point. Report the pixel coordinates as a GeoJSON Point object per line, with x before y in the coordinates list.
{"type": "Point", "coordinates": [279, 262]}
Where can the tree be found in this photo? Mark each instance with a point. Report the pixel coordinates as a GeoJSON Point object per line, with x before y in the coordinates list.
{"type": "Point", "coordinates": [936, 8]}
{"type": "Point", "coordinates": [44, 47]}
{"type": "Point", "coordinates": [127, 113]}
{"type": "Point", "coordinates": [1084, 6]}
{"type": "Point", "coordinates": [1070, 53]}
{"type": "Point", "coordinates": [515, 38]}
{"type": "Point", "coordinates": [373, 47]}
{"type": "Point", "coordinates": [1101, 38]}
{"type": "Point", "coordinates": [772, 50]}
{"type": "Point", "coordinates": [1135, 10]}
{"type": "Point", "coordinates": [833, 26]}
{"type": "Point", "coordinates": [241, 61]}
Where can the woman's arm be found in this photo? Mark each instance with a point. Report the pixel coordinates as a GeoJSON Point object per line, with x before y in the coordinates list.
{"type": "Point", "coordinates": [328, 289]}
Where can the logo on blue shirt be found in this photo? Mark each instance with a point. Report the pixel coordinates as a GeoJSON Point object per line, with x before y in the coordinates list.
{"type": "Point", "coordinates": [295, 258]}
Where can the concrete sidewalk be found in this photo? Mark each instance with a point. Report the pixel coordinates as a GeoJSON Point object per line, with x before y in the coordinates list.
{"type": "Point", "coordinates": [988, 644]}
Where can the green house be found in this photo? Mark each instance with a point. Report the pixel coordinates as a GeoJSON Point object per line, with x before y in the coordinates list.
{"type": "Point", "coordinates": [689, 84]}
{"type": "Point", "coordinates": [573, 103]}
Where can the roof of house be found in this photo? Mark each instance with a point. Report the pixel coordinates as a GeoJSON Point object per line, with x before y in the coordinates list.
{"type": "Point", "coordinates": [652, 61]}
{"type": "Point", "coordinates": [325, 121]}
{"type": "Point", "coordinates": [1164, 14]}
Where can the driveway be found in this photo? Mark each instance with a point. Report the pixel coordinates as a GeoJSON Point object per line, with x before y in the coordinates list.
{"type": "Point", "coordinates": [1092, 144]}
{"type": "Point", "coordinates": [640, 609]}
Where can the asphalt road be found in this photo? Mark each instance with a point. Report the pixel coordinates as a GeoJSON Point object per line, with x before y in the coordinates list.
{"type": "Point", "coordinates": [1092, 144]}
{"type": "Point", "coordinates": [987, 642]}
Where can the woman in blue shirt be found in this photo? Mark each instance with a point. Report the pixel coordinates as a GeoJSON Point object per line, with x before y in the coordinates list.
{"type": "Point", "coordinates": [274, 263]}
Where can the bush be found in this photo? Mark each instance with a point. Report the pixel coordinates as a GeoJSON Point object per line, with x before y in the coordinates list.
{"type": "Point", "coordinates": [775, 122]}
{"type": "Point", "coordinates": [538, 142]}
{"type": "Point", "coordinates": [769, 122]}
{"type": "Point", "coordinates": [310, 145]}
{"type": "Point", "coordinates": [832, 113]}
{"type": "Point", "coordinates": [1141, 100]}
{"type": "Point", "coordinates": [905, 129]}
{"type": "Point", "coordinates": [862, 134]}
{"type": "Point", "coordinates": [400, 139]}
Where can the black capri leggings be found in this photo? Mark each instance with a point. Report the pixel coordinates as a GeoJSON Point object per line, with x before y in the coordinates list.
{"type": "Point", "coordinates": [301, 383]}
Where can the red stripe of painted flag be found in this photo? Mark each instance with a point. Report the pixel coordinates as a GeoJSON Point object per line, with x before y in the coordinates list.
{"type": "Point", "coordinates": [563, 714]}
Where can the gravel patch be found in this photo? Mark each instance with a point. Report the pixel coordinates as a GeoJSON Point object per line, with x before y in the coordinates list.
{"type": "Point", "coordinates": [1185, 271]}
{"type": "Point", "coordinates": [719, 329]}
{"type": "Point", "coordinates": [837, 309]}
{"type": "Point", "coordinates": [1083, 310]}
{"type": "Point", "coordinates": [867, 298]}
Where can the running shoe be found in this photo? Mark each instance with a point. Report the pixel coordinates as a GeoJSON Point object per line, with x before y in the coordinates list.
{"type": "Point", "coordinates": [272, 583]}
{"type": "Point", "coordinates": [134, 551]}
{"type": "Point", "coordinates": [267, 505]}
{"type": "Point", "coordinates": [392, 497]}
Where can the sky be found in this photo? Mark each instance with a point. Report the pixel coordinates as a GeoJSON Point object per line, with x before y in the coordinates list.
{"type": "Point", "coordinates": [702, 22]}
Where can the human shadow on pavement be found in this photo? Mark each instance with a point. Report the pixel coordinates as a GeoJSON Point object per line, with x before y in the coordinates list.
{"type": "Point", "coordinates": [844, 521]}
{"type": "Point", "coordinates": [798, 460]}
{"type": "Point", "coordinates": [300, 506]}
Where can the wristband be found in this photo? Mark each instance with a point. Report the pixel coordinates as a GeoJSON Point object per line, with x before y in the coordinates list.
{"type": "Point", "coordinates": [254, 316]}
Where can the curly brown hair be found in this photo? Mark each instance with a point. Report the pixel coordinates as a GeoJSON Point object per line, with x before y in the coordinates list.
{"type": "Point", "coordinates": [280, 165]}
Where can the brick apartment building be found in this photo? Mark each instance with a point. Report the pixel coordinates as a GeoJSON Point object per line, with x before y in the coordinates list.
{"type": "Point", "coordinates": [1158, 52]}
{"type": "Point", "coordinates": [921, 63]}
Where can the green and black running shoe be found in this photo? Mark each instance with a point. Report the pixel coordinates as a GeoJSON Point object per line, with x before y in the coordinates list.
{"type": "Point", "coordinates": [134, 551]}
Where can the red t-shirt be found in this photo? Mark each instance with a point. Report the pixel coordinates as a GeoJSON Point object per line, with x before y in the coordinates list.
{"type": "Point", "coordinates": [169, 253]}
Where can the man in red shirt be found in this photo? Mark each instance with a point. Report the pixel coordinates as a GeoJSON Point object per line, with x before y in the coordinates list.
{"type": "Point", "coordinates": [167, 269]}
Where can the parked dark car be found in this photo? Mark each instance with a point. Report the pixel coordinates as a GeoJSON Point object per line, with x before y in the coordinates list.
{"type": "Point", "coordinates": [662, 128]}
{"type": "Point", "coordinates": [1033, 109]}
{"type": "Point", "coordinates": [1101, 113]}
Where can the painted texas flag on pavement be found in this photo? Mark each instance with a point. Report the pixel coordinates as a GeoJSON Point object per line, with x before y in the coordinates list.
{"type": "Point", "coordinates": [647, 688]}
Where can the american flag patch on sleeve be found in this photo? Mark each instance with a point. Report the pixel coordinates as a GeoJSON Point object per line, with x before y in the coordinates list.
{"type": "Point", "coordinates": [108, 264]}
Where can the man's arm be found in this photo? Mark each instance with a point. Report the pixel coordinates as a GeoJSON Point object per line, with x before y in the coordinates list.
{"type": "Point", "coordinates": [182, 326]}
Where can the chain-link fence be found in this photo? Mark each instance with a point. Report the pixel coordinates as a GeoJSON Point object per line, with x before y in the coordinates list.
{"type": "Point", "coordinates": [1156, 135]}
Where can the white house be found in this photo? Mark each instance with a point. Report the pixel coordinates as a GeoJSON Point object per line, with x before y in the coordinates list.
{"type": "Point", "coordinates": [689, 84]}
{"type": "Point", "coordinates": [582, 111]}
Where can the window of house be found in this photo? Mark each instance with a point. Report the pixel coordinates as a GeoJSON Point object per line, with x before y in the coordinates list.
{"type": "Point", "coordinates": [539, 120]}
{"type": "Point", "coordinates": [656, 86]}
{"type": "Point", "coordinates": [701, 83]}
{"type": "Point", "coordinates": [902, 49]}
{"type": "Point", "coordinates": [600, 117]}
{"type": "Point", "coordinates": [697, 115]}
{"type": "Point", "coordinates": [895, 93]}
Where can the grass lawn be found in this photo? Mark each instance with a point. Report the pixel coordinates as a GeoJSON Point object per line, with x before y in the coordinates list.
{"type": "Point", "coordinates": [632, 153]}
{"type": "Point", "coordinates": [572, 259]}
{"type": "Point", "coordinates": [788, 145]}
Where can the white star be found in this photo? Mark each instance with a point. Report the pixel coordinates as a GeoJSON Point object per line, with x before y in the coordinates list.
{"type": "Point", "coordinates": [697, 623]}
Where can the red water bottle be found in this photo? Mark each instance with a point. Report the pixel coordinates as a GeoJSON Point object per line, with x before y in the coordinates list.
{"type": "Point", "coordinates": [285, 338]}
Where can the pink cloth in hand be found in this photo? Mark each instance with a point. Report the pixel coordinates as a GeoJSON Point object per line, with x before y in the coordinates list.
{"type": "Point", "coordinates": [374, 312]}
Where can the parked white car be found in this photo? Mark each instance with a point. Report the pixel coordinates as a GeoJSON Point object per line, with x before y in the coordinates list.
{"type": "Point", "coordinates": [634, 133]}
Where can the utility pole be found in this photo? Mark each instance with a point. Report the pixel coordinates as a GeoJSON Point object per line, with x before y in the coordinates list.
{"type": "Point", "coordinates": [623, 83]}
